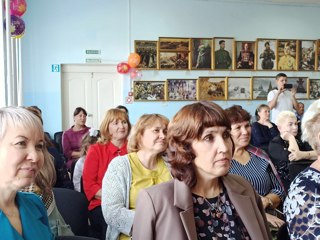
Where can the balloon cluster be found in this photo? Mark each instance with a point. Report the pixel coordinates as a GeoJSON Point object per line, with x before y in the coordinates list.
{"type": "Point", "coordinates": [130, 67]}
{"type": "Point", "coordinates": [17, 9]}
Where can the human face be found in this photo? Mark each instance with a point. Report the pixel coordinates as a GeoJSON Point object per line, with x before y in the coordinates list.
{"type": "Point", "coordinates": [154, 138]}
{"type": "Point", "coordinates": [264, 114]}
{"type": "Point", "coordinates": [300, 109]}
{"type": "Point", "coordinates": [80, 119]}
{"type": "Point", "coordinates": [281, 81]}
{"type": "Point", "coordinates": [289, 125]}
{"type": "Point", "coordinates": [21, 156]}
{"type": "Point", "coordinates": [241, 134]}
{"type": "Point", "coordinates": [213, 152]}
{"type": "Point", "coordinates": [118, 129]}
{"type": "Point", "coordinates": [223, 45]}
{"type": "Point", "coordinates": [246, 46]}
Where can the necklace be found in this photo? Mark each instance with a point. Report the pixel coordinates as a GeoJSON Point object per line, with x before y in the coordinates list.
{"type": "Point", "coordinates": [215, 207]}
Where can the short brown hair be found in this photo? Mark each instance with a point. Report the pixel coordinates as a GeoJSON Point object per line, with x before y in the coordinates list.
{"type": "Point", "coordinates": [187, 125]}
{"type": "Point", "coordinates": [237, 114]}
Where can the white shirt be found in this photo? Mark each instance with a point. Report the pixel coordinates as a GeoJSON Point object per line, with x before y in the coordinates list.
{"type": "Point", "coordinates": [284, 103]}
{"type": "Point", "coordinates": [77, 174]}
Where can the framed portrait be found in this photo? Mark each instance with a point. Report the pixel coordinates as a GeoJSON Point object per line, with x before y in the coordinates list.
{"type": "Point", "coordinates": [300, 83]}
{"type": "Point", "coordinates": [149, 90]}
{"type": "Point", "coordinates": [212, 88]}
{"type": "Point", "coordinates": [174, 60]}
{"type": "Point", "coordinates": [201, 53]}
{"type": "Point", "coordinates": [223, 53]}
{"type": "Point", "coordinates": [245, 59]}
{"type": "Point", "coordinates": [174, 44]}
{"type": "Point", "coordinates": [318, 55]}
{"type": "Point", "coordinates": [314, 88]}
{"type": "Point", "coordinates": [239, 88]}
{"type": "Point", "coordinates": [287, 55]}
{"type": "Point", "coordinates": [148, 53]}
{"type": "Point", "coordinates": [181, 89]}
{"type": "Point", "coordinates": [261, 86]}
{"type": "Point", "coordinates": [266, 54]}
{"type": "Point", "coordinates": [307, 56]}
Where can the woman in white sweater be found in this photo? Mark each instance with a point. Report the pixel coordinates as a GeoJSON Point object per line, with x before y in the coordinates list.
{"type": "Point", "coordinates": [142, 167]}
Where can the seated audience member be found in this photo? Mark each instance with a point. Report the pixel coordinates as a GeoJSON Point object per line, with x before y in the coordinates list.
{"type": "Point", "coordinates": [203, 201]}
{"type": "Point", "coordinates": [289, 154]}
{"type": "Point", "coordinates": [299, 115]}
{"type": "Point", "coordinates": [22, 144]}
{"type": "Point", "coordinates": [90, 138]}
{"type": "Point", "coordinates": [254, 164]}
{"type": "Point", "coordinates": [142, 167]}
{"type": "Point", "coordinates": [114, 131]}
{"type": "Point", "coordinates": [71, 138]}
{"type": "Point", "coordinates": [263, 130]}
{"type": "Point", "coordinates": [301, 206]}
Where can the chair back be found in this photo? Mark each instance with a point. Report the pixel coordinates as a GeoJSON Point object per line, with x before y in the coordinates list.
{"type": "Point", "coordinates": [73, 207]}
{"type": "Point", "coordinates": [57, 137]}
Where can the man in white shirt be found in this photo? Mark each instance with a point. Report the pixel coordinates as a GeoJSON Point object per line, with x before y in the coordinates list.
{"type": "Point", "coordinates": [281, 99]}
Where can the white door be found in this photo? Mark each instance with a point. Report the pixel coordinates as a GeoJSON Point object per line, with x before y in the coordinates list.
{"type": "Point", "coordinates": [96, 88]}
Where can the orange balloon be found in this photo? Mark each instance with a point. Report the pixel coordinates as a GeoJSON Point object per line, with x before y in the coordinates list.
{"type": "Point", "coordinates": [134, 60]}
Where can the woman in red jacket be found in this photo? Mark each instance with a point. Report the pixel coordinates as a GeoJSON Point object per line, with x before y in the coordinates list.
{"type": "Point", "coordinates": [114, 130]}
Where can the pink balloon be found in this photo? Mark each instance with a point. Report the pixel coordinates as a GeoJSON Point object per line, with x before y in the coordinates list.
{"type": "Point", "coordinates": [123, 68]}
{"type": "Point", "coordinates": [18, 7]}
{"type": "Point", "coordinates": [135, 74]}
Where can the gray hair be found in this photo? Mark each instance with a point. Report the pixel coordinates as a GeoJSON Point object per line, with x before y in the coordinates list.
{"type": "Point", "coordinates": [284, 115]}
{"type": "Point", "coordinates": [19, 117]}
{"type": "Point", "coordinates": [310, 125]}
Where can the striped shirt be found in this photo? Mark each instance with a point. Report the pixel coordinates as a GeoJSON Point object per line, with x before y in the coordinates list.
{"type": "Point", "coordinates": [259, 173]}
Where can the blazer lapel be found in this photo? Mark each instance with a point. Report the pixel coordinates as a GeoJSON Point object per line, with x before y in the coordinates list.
{"type": "Point", "coordinates": [183, 200]}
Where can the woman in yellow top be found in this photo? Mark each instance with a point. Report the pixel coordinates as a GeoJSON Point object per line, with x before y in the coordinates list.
{"type": "Point", "coordinates": [142, 167]}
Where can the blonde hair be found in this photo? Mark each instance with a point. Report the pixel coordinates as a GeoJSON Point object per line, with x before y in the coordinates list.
{"type": "Point", "coordinates": [283, 115]}
{"type": "Point", "coordinates": [111, 115]}
{"type": "Point", "coordinates": [145, 121]}
{"type": "Point", "coordinates": [311, 125]}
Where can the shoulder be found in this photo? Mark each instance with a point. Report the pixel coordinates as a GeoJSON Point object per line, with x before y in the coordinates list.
{"type": "Point", "coordinates": [119, 162]}
{"type": "Point", "coordinates": [162, 189]}
{"type": "Point", "coordinates": [237, 183]}
{"type": "Point", "coordinates": [30, 199]}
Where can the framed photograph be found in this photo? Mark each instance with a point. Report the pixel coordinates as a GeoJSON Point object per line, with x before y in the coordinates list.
{"type": "Point", "coordinates": [174, 44]}
{"type": "Point", "coordinates": [314, 88]}
{"type": "Point", "coordinates": [182, 89]}
{"type": "Point", "coordinates": [201, 53]}
{"type": "Point", "coordinates": [149, 90]}
{"type": "Point", "coordinates": [223, 53]}
{"type": "Point", "coordinates": [245, 59]}
{"type": "Point", "coordinates": [239, 88]}
{"type": "Point", "coordinates": [261, 86]}
{"type": "Point", "coordinates": [318, 55]}
{"type": "Point", "coordinates": [174, 60]}
{"type": "Point", "coordinates": [287, 55]}
{"type": "Point", "coordinates": [211, 88]}
{"type": "Point", "coordinates": [300, 83]}
{"type": "Point", "coordinates": [148, 53]}
{"type": "Point", "coordinates": [307, 56]}
{"type": "Point", "coordinates": [266, 54]}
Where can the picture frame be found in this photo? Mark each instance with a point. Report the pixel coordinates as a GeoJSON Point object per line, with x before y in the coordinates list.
{"type": "Point", "coordinates": [148, 51]}
{"type": "Point", "coordinates": [287, 55]}
{"type": "Point", "coordinates": [245, 55]}
{"type": "Point", "coordinates": [314, 89]}
{"type": "Point", "coordinates": [307, 53]}
{"type": "Point", "coordinates": [239, 88]}
{"type": "Point", "coordinates": [174, 60]}
{"type": "Point", "coordinates": [318, 55]}
{"type": "Point", "coordinates": [201, 53]}
{"type": "Point", "coordinates": [181, 89]}
{"type": "Point", "coordinates": [300, 83]}
{"type": "Point", "coordinates": [266, 54]}
{"type": "Point", "coordinates": [211, 88]}
{"type": "Point", "coordinates": [149, 90]}
{"type": "Point", "coordinates": [168, 44]}
{"type": "Point", "coordinates": [261, 86]}
{"type": "Point", "coordinates": [223, 57]}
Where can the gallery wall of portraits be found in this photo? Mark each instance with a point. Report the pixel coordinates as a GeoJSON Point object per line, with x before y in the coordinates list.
{"type": "Point", "coordinates": [225, 54]}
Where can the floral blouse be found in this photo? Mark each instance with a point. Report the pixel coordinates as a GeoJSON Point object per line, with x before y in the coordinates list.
{"type": "Point", "coordinates": [302, 206]}
{"type": "Point", "coordinates": [216, 218]}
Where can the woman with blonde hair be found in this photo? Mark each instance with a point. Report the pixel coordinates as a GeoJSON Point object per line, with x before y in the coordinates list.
{"type": "Point", "coordinates": [142, 167]}
{"type": "Point", "coordinates": [114, 131]}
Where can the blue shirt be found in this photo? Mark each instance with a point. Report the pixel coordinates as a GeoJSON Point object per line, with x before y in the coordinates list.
{"type": "Point", "coordinates": [33, 217]}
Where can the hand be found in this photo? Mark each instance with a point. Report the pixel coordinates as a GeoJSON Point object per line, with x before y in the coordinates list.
{"type": "Point", "coordinates": [293, 91]}
{"type": "Point", "coordinates": [286, 135]}
{"type": "Point", "coordinates": [274, 221]}
{"type": "Point", "coordinates": [295, 155]}
{"type": "Point", "coordinates": [267, 123]}
{"type": "Point", "coordinates": [265, 202]}
{"type": "Point", "coordinates": [98, 194]}
{"type": "Point", "coordinates": [281, 90]}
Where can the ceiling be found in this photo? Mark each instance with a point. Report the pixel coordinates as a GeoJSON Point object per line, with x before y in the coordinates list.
{"type": "Point", "coordinates": [305, 3]}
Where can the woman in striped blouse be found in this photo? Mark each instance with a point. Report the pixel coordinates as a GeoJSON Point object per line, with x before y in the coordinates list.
{"type": "Point", "coordinates": [254, 164]}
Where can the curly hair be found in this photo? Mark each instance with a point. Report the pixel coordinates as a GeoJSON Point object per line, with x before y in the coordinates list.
{"type": "Point", "coordinates": [186, 126]}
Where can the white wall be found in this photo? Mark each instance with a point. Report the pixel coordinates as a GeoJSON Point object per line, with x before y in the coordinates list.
{"type": "Point", "coordinates": [59, 32]}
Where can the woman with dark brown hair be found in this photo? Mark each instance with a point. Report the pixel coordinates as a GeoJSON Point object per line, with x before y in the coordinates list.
{"type": "Point", "coordinates": [203, 201]}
